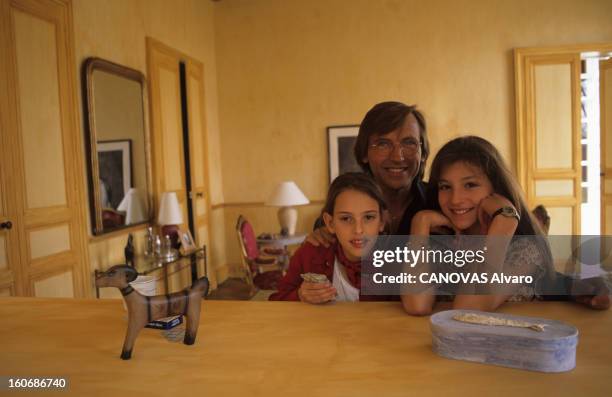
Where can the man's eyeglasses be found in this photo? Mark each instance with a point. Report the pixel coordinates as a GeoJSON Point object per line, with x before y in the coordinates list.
{"type": "Point", "coordinates": [385, 147]}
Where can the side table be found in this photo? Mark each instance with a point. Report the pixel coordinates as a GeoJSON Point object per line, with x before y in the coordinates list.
{"type": "Point", "coordinates": [281, 241]}
{"type": "Point", "coordinates": [147, 265]}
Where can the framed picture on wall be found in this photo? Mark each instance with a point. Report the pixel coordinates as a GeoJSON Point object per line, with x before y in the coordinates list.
{"type": "Point", "coordinates": [341, 143]}
{"type": "Point", "coordinates": [115, 166]}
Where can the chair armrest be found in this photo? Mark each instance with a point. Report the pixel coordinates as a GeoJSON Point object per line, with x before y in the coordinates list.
{"type": "Point", "coordinates": [269, 267]}
{"type": "Point", "coordinates": [274, 251]}
{"type": "Point", "coordinates": [261, 260]}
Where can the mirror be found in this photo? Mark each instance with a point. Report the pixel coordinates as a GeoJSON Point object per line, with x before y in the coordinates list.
{"type": "Point", "coordinates": [118, 146]}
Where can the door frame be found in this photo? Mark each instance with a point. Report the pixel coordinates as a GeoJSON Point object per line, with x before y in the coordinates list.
{"type": "Point", "coordinates": [193, 68]}
{"type": "Point", "coordinates": [522, 57]}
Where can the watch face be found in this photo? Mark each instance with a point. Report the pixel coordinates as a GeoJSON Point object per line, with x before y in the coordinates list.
{"type": "Point", "coordinates": [509, 212]}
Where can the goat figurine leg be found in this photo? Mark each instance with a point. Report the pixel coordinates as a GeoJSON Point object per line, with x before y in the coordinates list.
{"type": "Point", "coordinates": [199, 289]}
{"type": "Point", "coordinates": [136, 323]}
{"type": "Point", "coordinates": [191, 330]}
{"type": "Point", "coordinates": [130, 338]}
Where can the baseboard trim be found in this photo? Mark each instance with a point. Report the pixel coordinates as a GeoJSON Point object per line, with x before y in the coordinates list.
{"type": "Point", "coordinates": [256, 204]}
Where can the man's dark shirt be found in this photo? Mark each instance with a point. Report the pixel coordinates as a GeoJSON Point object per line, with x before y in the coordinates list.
{"type": "Point", "coordinates": [418, 203]}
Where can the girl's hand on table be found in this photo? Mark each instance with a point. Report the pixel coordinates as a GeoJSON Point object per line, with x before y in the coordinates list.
{"type": "Point", "coordinates": [597, 302]}
{"type": "Point", "coordinates": [599, 296]}
{"type": "Point", "coordinates": [316, 293]}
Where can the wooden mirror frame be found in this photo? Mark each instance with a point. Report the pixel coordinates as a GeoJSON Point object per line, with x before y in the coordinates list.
{"type": "Point", "coordinates": [95, 207]}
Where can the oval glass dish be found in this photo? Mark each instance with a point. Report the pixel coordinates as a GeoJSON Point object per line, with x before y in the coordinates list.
{"type": "Point", "coordinates": [530, 343]}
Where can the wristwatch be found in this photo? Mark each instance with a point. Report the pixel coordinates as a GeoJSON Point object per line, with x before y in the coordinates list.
{"type": "Point", "coordinates": [508, 212]}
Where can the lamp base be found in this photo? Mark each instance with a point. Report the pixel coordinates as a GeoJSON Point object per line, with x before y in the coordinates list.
{"type": "Point", "coordinates": [172, 231]}
{"type": "Point", "coordinates": [287, 217]}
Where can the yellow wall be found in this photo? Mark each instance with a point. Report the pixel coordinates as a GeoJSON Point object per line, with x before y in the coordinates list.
{"type": "Point", "coordinates": [115, 30]}
{"type": "Point", "coordinates": [288, 69]}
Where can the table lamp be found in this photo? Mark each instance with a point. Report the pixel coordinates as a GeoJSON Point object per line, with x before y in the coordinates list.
{"type": "Point", "coordinates": [170, 216]}
{"type": "Point", "coordinates": [132, 205]}
{"type": "Point", "coordinates": [286, 195]}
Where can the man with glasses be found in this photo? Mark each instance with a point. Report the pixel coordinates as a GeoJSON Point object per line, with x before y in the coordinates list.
{"type": "Point", "coordinates": [392, 146]}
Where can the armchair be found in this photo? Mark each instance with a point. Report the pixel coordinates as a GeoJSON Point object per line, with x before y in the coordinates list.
{"type": "Point", "coordinates": [263, 269]}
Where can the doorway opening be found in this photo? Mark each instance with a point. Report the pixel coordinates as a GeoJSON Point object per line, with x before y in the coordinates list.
{"type": "Point", "coordinates": [590, 143]}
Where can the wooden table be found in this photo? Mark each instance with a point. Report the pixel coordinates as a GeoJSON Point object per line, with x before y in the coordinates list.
{"type": "Point", "coordinates": [281, 349]}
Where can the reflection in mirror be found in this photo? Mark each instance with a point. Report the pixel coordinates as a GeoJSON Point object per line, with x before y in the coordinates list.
{"type": "Point", "coordinates": [118, 146]}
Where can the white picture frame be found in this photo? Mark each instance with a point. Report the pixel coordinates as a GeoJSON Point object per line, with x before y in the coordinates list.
{"type": "Point", "coordinates": [187, 242]}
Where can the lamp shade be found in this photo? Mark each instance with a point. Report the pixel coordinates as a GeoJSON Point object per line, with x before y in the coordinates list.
{"type": "Point", "coordinates": [132, 205]}
{"type": "Point", "coordinates": [287, 194]}
{"type": "Point", "coordinates": [169, 210]}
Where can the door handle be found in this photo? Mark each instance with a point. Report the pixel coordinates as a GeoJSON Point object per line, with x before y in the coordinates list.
{"type": "Point", "coordinates": [8, 225]}
{"type": "Point", "coordinates": [197, 194]}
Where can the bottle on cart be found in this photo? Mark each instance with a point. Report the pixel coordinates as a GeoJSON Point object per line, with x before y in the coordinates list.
{"type": "Point", "coordinates": [149, 242]}
{"type": "Point", "coordinates": [166, 246]}
{"type": "Point", "coordinates": [157, 248]}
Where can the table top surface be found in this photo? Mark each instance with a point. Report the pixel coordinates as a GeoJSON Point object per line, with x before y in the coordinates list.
{"type": "Point", "coordinates": [283, 240]}
{"type": "Point", "coordinates": [281, 348]}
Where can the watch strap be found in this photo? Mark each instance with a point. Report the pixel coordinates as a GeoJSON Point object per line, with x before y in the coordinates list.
{"type": "Point", "coordinates": [508, 212]}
